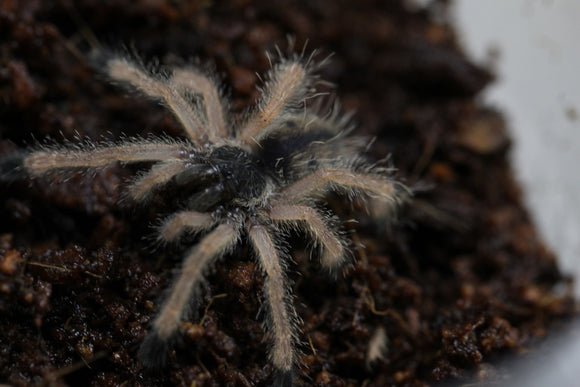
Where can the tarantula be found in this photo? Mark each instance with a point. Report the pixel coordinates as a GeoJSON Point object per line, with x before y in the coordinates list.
{"type": "Point", "coordinates": [248, 178]}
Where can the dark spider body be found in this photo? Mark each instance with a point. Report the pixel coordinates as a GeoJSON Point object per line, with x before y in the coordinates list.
{"type": "Point", "coordinates": [230, 177]}
{"type": "Point", "coordinates": [278, 151]}
{"type": "Point", "coordinates": [253, 180]}
{"type": "Point", "coordinates": [227, 176]}
{"type": "Point", "coordinates": [242, 175]}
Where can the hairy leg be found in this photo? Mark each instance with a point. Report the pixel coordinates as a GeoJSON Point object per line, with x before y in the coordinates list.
{"type": "Point", "coordinates": [176, 224]}
{"type": "Point", "coordinates": [343, 179]}
{"type": "Point", "coordinates": [125, 71]}
{"type": "Point", "coordinates": [287, 87]}
{"type": "Point", "coordinates": [199, 84]}
{"type": "Point", "coordinates": [154, 349]}
{"type": "Point", "coordinates": [333, 250]}
{"type": "Point", "coordinates": [281, 324]}
{"type": "Point", "coordinates": [43, 161]}
{"type": "Point", "coordinates": [159, 174]}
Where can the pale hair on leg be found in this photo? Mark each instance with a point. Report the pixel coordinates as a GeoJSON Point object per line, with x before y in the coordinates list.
{"type": "Point", "coordinates": [190, 80]}
{"type": "Point", "coordinates": [183, 221]}
{"type": "Point", "coordinates": [59, 158]}
{"type": "Point", "coordinates": [158, 175]}
{"type": "Point", "coordinates": [126, 71]}
{"type": "Point", "coordinates": [334, 179]}
{"type": "Point", "coordinates": [281, 325]}
{"type": "Point", "coordinates": [175, 308]}
{"type": "Point", "coordinates": [308, 219]}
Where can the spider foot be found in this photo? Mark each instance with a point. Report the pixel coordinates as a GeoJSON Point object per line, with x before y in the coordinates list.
{"type": "Point", "coordinates": [153, 352]}
{"type": "Point", "coordinates": [283, 379]}
{"type": "Point", "coordinates": [11, 167]}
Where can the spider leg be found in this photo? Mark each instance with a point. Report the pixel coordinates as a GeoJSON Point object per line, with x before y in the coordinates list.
{"type": "Point", "coordinates": [333, 250]}
{"type": "Point", "coordinates": [176, 224]}
{"type": "Point", "coordinates": [125, 71]}
{"type": "Point", "coordinates": [281, 310]}
{"type": "Point", "coordinates": [287, 87]}
{"type": "Point", "coordinates": [154, 348]}
{"type": "Point", "coordinates": [199, 84]}
{"type": "Point", "coordinates": [44, 161]}
{"type": "Point", "coordinates": [159, 174]}
{"type": "Point", "coordinates": [344, 179]}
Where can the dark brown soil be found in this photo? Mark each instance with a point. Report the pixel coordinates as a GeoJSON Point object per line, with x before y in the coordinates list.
{"type": "Point", "coordinates": [459, 280]}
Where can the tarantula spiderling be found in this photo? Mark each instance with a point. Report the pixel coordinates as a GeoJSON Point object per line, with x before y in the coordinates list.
{"type": "Point", "coordinates": [250, 178]}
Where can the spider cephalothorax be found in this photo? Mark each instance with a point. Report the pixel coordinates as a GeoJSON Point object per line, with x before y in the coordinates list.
{"type": "Point", "coordinates": [223, 176]}
{"type": "Point", "coordinates": [250, 180]}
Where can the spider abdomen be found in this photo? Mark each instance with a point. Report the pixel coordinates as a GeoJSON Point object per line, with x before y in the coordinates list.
{"type": "Point", "coordinates": [278, 151]}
